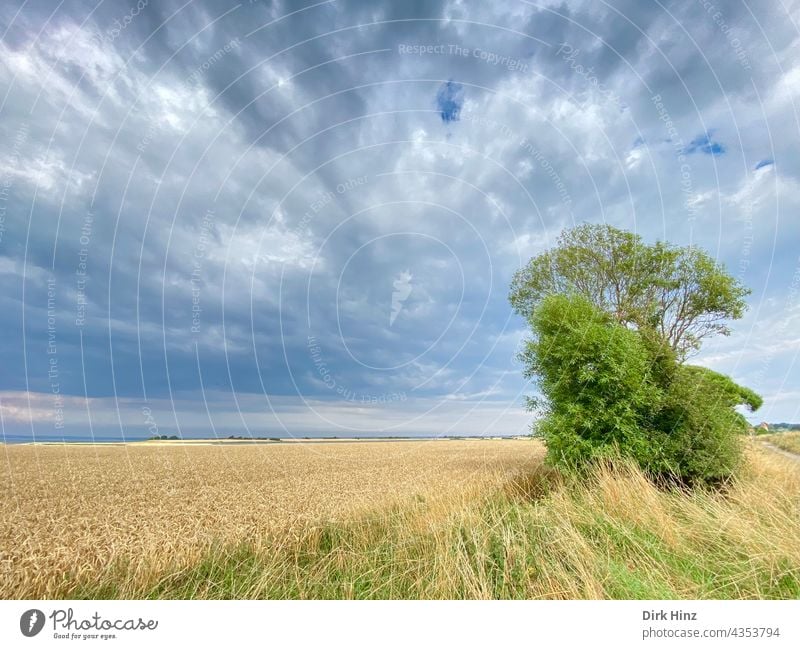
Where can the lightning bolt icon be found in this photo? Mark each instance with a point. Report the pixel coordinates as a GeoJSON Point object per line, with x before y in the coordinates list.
{"type": "Point", "coordinates": [32, 620]}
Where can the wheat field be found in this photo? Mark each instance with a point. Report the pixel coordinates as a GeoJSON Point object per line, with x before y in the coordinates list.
{"type": "Point", "coordinates": [70, 511]}
{"type": "Point", "coordinates": [446, 519]}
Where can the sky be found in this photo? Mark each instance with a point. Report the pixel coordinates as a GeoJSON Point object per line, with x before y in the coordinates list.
{"type": "Point", "coordinates": [302, 218]}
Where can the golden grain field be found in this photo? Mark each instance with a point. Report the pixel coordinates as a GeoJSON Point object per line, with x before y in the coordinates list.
{"type": "Point", "coordinates": [76, 509]}
{"type": "Point", "coordinates": [445, 519]}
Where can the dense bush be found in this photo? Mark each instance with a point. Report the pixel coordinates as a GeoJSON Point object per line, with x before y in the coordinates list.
{"type": "Point", "coordinates": [697, 424]}
{"type": "Point", "coordinates": [593, 374]}
{"type": "Point", "coordinates": [609, 390]}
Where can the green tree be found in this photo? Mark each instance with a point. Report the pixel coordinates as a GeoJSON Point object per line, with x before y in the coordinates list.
{"type": "Point", "coordinates": [612, 321]}
{"type": "Point", "coordinates": [681, 293]}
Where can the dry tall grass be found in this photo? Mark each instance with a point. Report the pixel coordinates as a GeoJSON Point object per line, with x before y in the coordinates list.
{"type": "Point", "coordinates": [538, 536]}
{"type": "Point", "coordinates": [786, 441]}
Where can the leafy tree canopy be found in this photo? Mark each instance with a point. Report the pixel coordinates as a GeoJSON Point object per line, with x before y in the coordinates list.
{"type": "Point", "coordinates": [682, 294]}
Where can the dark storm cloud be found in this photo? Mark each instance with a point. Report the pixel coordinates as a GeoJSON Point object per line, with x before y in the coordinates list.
{"type": "Point", "coordinates": [258, 177]}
